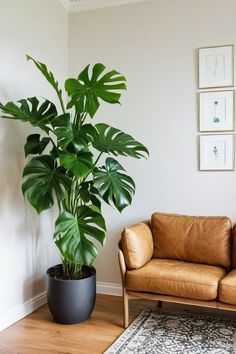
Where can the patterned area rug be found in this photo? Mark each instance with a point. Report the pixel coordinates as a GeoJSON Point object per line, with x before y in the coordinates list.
{"type": "Point", "coordinates": [175, 333]}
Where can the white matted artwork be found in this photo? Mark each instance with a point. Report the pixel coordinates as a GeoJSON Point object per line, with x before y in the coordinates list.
{"type": "Point", "coordinates": [216, 66]}
{"type": "Point", "coordinates": [216, 111]}
{"type": "Point", "coordinates": [217, 152]}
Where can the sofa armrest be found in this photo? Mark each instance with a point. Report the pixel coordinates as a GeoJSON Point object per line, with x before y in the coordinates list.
{"type": "Point", "coordinates": [122, 264]}
{"type": "Point", "coordinates": [233, 256]}
{"type": "Point", "coordinates": [137, 245]}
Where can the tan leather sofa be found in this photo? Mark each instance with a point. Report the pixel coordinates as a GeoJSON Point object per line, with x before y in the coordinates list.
{"type": "Point", "coordinates": [181, 259]}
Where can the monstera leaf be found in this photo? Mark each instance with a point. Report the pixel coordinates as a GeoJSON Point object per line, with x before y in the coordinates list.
{"type": "Point", "coordinates": [88, 133]}
{"type": "Point", "coordinates": [89, 194]}
{"type": "Point", "coordinates": [42, 180]}
{"type": "Point", "coordinates": [113, 186]}
{"type": "Point", "coordinates": [114, 141]}
{"type": "Point", "coordinates": [71, 231]}
{"type": "Point", "coordinates": [46, 73]}
{"type": "Point", "coordinates": [65, 132]}
{"type": "Point", "coordinates": [30, 110]}
{"type": "Point", "coordinates": [35, 145]}
{"type": "Point", "coordinates": [86, 91]}
{"type": "Point", "coordinates": [79, 164]}
{"type": "Point", "coordinates": [68, 133]}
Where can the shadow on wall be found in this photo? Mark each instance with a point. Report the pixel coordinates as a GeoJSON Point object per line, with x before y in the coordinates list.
{"type": "Point", "coordinates": [107, 260]}
{"type": "Point", "coordinates": [42, 249]}
{"type": "Point", "coordinates": [33, 286]}
{"type": "Point", "coordinates": [19, 221]}
{"type": "Point", "coordinates": [12, 163]}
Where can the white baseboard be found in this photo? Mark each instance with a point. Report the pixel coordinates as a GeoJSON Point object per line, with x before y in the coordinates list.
{"type": "Point", "coordinates": [22, 310]}
{"type": "Point", "coordinates": [109, 288]}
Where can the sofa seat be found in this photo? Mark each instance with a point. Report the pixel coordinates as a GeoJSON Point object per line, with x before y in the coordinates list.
{"type": "Point", "coordinates": [227, 288]}
{"type": "Point", "coordinates": [176, 278]}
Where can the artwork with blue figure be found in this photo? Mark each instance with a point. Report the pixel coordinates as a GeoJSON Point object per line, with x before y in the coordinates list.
{"type": "Point", "coordinates": [215, 118]}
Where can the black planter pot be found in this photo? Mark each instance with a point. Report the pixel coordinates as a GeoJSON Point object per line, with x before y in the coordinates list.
{"type": "Point", "coordinates": [71, 301]}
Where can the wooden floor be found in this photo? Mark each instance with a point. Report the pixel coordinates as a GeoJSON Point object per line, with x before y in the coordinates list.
{"type": "Point", "coordinates": [38, 334]}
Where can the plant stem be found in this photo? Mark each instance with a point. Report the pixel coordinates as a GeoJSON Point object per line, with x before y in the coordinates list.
{"type": "Point", "coordinates": [83, 117]}
{"type": "Point", "coordinates": [71, 270]}
{"type": "Point", "coordinates": [95, 163]}
{"type": "Point", "coordinates": [73, 201]}
{"type": "Point", "coordinates": [53, 143]}
{"type": "Point", "coordinates": [61, 102]}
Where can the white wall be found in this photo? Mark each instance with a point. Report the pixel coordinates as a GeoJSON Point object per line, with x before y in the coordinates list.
{"type": "Point", "coordinates": [38, 28]}
{"type": "Point", "coordinates": [154, 45]}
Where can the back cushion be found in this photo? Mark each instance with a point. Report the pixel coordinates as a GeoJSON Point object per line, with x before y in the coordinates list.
{"type": "Point", "coordinates": [137, 245]}
{"type": "Point", "coordinates": [204, 240]}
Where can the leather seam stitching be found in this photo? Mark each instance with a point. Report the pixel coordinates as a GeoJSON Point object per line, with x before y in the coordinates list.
{"type": "Point", "coordinates": [176, 281]}
{"type": "Point", "coordinates": [226, 285]}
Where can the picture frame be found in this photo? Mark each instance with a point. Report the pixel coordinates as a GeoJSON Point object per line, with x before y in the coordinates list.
{"type": "Point", "coordinates": [216, 152]}
{"type": "Point", "coordinates": [216, 66]}
{"type": "Point", "coordinates": [216, 111]}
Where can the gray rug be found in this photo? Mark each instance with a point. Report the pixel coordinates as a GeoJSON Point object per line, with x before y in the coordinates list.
{"type": "Point", "coordinates": [175, 333]}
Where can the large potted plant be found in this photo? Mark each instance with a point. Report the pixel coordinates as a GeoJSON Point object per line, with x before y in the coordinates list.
{"type": "Point", "coordinates": [64, 169]}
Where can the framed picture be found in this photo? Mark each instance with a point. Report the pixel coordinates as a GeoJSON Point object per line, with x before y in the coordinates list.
{"type": "Point", "coordinates": [216, 111]}
{"type": "Point", "coordinates": [217, 152]}
{"type": "Point", "coordinates": [216, 66]}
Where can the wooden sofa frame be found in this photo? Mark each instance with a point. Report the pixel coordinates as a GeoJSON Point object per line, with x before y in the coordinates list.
{"type": "Point", "coordinates": [127, 295]}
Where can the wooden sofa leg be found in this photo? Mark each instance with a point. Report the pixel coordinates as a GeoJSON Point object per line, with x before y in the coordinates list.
{"type": "Point", "coordinates": [126, 309]}
{"type": "Point", "coordinates": [159, 304]}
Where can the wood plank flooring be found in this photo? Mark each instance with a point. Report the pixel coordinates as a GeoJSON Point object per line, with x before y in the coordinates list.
{"type": "Point", "coordinates": [38, 334]}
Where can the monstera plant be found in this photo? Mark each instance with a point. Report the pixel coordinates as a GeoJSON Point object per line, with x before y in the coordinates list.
{"type": "Point", "coordinates": [63, 162]}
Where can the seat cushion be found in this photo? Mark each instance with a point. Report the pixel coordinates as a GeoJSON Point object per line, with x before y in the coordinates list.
{"type": "Point", "coordinates": [176, 278]}
{"type": "Point", "coordinates": [227, 288]}
{"type": "Point", "coordinates": [137, 245]}
{"type": "Point", "coordinates": [205, 240]}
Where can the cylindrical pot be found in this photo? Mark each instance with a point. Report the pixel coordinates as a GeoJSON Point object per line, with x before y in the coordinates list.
{"type": "Point", "coordinates": [71, 301]}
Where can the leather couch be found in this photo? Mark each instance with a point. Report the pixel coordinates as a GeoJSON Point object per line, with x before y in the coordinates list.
{"type": "Point", "coordinates": [181, 259]}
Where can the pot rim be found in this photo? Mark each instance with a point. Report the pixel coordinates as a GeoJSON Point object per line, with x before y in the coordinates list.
{"type": "Point", "coordinates": [70, 280]}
